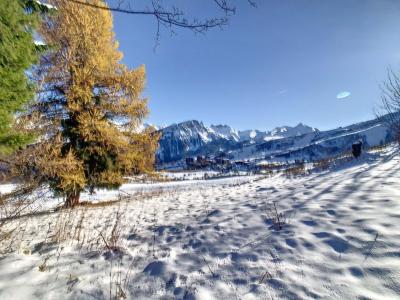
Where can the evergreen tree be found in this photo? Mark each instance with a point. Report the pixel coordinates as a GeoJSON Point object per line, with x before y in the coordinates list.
{"type": "Point", "coordinates": [17, 54]}
{"type": "Point", "coordinates": [89, 111]}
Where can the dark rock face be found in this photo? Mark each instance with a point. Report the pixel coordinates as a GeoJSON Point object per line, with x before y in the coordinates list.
{"type": "Point", "coordinates": [191, 138]}
{"type": "Point", "coordinates": [178, 139]}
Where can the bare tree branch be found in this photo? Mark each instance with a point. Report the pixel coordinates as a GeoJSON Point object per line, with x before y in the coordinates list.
{"type": "Point", "coordinates": [390, 110]}
{"type": "Point", "coordinates": [172, 17]}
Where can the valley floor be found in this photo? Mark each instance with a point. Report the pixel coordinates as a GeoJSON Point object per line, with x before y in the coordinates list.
{"type": "Point", "coordinates": [216, 239]}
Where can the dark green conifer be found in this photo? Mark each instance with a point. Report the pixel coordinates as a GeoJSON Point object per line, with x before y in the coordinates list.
{"type": "Point", "coordinates": [18, 53]}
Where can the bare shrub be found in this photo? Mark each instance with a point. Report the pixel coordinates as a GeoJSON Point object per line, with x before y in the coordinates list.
{"type": "Point", "coordinates": [333, 161]}
{"type": "Point", "coordinates": [277, 217]}
{"type": "Point", "coordinates": [43, 266]}
{"type": "Point", "coordinates": [112, 238]}
{"type": "Point", "coordinates": [378, 147]}
{"type": "Point", "coordinates": [15, 209]}
{"type": "Point", "coordinates": [296, 170]}
{"type": "Point", "coordinates": [118, 281]}
{"type": "Point", "coordinates": [390, 110]}
{"type": "Point", "coordinates": [264, 276]}
{"type": "Point", "coordinates": [64, 225]}
{"type": "Point", "coordinates": [322, 164]}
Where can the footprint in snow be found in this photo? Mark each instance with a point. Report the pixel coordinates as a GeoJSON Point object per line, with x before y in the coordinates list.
{"type": "Point", "coordinates": [331, 212]}
{"type": "Point", "coordinates": [253, 206]}
{"type": "Point", "coordinates": [238, 257]}
{"type": "Point", "coordinates": [193, 243]}
{"type": "Point", "coordinates": [321, 235]}
{"type": "Point", "coordinates": [291, 243]}
{"type": "Point", "coordinates": [171, 281]}
{"type": "Point", "coordinates": [311, 223]}
{"type": "Point", "coordinates": [338, 244]}
{"type": "Point", "coordinates": [213, 213]}
{"type": "Point", "coordinates": [356, 272]}
{"type": "Point", "coordinates": [308, 245]}
{"type": "Point", "coordinates": [155, 268]}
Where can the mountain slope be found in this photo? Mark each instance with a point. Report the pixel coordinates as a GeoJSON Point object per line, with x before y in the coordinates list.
{"type": "Point", "coordinates": [299, 142]}
{"type": "Point", "coordinates": [287, 131]}
{"type": "Point", "coordinates": [191, 137]}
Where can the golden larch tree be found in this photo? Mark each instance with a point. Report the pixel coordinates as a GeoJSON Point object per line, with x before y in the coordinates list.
{"type": "Point", "coordinates": [88, 112]}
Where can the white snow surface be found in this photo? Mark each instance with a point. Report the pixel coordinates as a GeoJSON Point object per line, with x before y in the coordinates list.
{"type": "Point", "coordinates": [287, 131]}
{"type": "Point", "coordinates": [225, 132]}
{"type": "Point", "coordinates": [39, 43]}
{"type": "Point", "coordinates": [214, 239]}
{"type": "Point", "coordinates": [49, 6]}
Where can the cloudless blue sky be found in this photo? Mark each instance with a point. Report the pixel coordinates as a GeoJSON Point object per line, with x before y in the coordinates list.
{"type": "Point", "coordinates": [279, 64]}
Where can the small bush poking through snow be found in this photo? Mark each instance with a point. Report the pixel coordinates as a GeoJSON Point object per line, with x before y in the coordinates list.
{"type": "Point", "coordinates": [278, 218]}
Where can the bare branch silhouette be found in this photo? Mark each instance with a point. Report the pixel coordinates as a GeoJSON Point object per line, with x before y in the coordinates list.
{"type": "Point", "coordinates": [173, 16]}
{"type": "Point", "coordinates": [390, 110]}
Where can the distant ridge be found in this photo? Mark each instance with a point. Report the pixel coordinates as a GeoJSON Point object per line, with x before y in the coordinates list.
{"type": "Point", "coordinates": [192, 137]}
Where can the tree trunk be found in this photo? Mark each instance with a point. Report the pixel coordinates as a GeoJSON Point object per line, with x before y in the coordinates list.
{"type": "Point", "coordinates": [72, 199]}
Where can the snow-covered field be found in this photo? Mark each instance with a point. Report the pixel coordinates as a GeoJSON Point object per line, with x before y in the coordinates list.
{"type": "Point", "coordinates": [216, 239]}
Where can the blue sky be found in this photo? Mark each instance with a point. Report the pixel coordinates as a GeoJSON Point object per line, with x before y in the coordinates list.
{"type": "Point", "coordinates": [280, 64]}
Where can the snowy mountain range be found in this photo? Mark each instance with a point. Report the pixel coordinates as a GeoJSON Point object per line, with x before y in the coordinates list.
{"type": "Point", "coordinates": [282, 143]}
